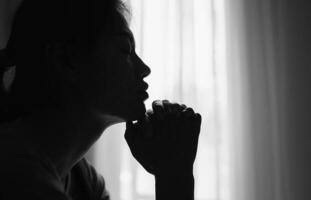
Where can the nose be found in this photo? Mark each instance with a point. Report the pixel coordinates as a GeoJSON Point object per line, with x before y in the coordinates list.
{"type": "Point", "coordinates": [146, 71]}
{"type": "Point", "coordinates": [143, 69]}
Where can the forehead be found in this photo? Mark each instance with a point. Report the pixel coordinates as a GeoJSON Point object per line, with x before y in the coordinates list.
{"type": "Point", "coordinates": [104, 32]}
{"type": "Point", "coordinates": [116, 25]}
{"type": "Point", "coordinates": [120, 27]}
{"type": "Point", "coordinates": [112, 35]}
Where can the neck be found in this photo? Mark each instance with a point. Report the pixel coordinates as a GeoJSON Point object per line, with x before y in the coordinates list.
{"type": "Point", "coordinates": [64, 136]}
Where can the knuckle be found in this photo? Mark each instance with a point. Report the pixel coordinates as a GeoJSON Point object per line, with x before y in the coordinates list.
{"type": "Point", "coordinates": [199, 117]}
{"type": "Point", "coordinates": [156, 103]}
{"type": "Point", "coordinates": [166, 103]}
{"type": "Point", "coordinates": [149, 112]}
{"type": "Point", "coordinates": [175, 105]}
{"type": "Point", "coordinates": [190, 109]}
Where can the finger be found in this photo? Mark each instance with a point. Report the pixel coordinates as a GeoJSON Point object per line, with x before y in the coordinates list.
{"type": "Point", "coordinates": [194, 127]}
{"type": "Point", "coordinates": [198, 122]}
{"type": "Point", "coordinates": [174, 124]}
{"type": "Point", "coordinates": [188, 112]}
{"type": "Point", "coordinates": [133, 131]}
{"type": "Point", "coordinates": [151, 115]}
{"type": "Point", "coordinates": [146, 127]}
{"type": "Point", "coordinates": [176, 109]}
{"type": "Point", "coordinates": [155, 124]}
{"type": "Point", "coordinates": [158, 109]}
{"type": "Point", "coordinates": [129, 125]}
{"type": "Point", "coordinates": [167, 106]}
{"type": "Point", "coordinates": [129, 132]}
{"type": "Point", "coordinates": [165, 130]}
{"type": "Point", "coordinates": [129, 136]}
{"type": "Point", "coordinates": [161, 130]}
{"type": "Point", "coordinates": [138, 146]}
{"type": "Point", "coordinates": [133, 139]}
{"type": "Point", "coordinates": [198, 118]}
{"type": "Point", "coordinates": [149, 118]}
{"type": "Point", "coordinates": [149, 112]}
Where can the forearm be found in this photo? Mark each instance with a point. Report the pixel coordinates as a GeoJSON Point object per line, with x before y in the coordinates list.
{"type": "Point", "coordinates": [178, 186]}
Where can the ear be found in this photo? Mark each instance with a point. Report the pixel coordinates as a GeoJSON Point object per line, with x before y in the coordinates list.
{"type": "Point", "coordinates": [60, 60]}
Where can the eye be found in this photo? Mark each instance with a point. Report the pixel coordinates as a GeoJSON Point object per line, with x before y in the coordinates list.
{"type": "Point", "coordinates": [126, 51]}
{"type": "Point", "coordinates": [126, 48]}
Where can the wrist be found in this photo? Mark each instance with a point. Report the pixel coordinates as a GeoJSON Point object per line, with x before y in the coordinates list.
{"type": "Point", "coordinates": [174, 186]}
{"type": "Point", "coordinates": [177, 171]}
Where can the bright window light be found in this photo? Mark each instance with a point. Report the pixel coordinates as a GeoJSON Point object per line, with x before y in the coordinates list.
{"type": "Point", "coordinates": [184, 44]}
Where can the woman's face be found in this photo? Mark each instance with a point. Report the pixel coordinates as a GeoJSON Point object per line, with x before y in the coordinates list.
{"type": "Point", "coordinates": [112, 80]}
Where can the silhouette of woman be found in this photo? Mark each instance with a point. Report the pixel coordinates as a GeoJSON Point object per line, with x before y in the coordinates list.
{"type": "Point", "coordinates": [75, 74]}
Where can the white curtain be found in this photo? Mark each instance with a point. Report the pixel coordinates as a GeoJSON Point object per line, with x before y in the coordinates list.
{"type": "Point", "coordinates": [257, 77]}
{"type": "Point", "coordinates": [245, 66]}
{"type": "Point", "coordinates": [225, 59]}
{"type": "Point", "coordinates": [183, 42]}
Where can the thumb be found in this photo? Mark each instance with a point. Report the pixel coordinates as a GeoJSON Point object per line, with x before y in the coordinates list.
{"type": "Point", "coordinates": [129, 131]}
{"type": "Point", "coordinates": [129, 125]}
{"type": "Point", "coordinates": [147, 127]}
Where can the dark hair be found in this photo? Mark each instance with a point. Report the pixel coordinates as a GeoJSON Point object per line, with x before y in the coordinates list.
{"type": "Point", "coordinates": [38, 23]}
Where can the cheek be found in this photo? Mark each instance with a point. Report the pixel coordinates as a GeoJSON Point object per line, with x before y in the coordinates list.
{"type": "Point", "coordinates": [122, 74]}
{"type": "Point", "coordinates": [119, 80]}
{"type": "Point", "coordinates": [123, 84]}
{"type": "Point", "coordinates": [113, 86]}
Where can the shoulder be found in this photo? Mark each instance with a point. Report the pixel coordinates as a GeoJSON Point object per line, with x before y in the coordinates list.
{"type": "Point", "coordinates": [86, 182]}
{"type": "Point", "coordinates": [25, 175]}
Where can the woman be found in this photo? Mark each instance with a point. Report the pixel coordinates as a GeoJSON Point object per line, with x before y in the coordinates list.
{"type": "Point", "coordinates": [77, 73]}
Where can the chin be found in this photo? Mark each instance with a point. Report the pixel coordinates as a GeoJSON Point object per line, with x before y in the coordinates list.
{"type": "Point", "coordinates": [138, 112]}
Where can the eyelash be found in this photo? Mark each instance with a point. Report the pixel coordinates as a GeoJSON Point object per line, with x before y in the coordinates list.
{"type": "Point", "coordinates": [127, 50]}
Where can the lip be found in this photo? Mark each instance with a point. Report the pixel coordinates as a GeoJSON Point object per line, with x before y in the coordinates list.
{"type": "Point", "coordinates": [143, 95]}
{"type": "Point", "coordinates": [142, 90]}
{"type": "Point", "coordinates": [143, 87]}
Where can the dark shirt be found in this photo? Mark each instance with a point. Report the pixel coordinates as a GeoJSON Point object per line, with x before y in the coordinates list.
{"type": "Point", "coordinates": [83, 182]}
{"type": "Point", "coordinates": [27, 174]}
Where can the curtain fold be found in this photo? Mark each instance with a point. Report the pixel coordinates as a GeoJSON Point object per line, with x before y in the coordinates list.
{"type": "Point", "coordinates": [245, 66]}
{"type": "Point", "coordinates": [269, 77]}
{"type": "Point", "coordinates": [183, 43]}
{"type": "Point", "coordinates": [177, 41]}
{"type": "Point", "coordinates": [297, 62]}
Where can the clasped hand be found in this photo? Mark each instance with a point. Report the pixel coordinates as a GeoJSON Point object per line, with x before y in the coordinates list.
{"type": "Point", "coordinates": [166, 140]}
